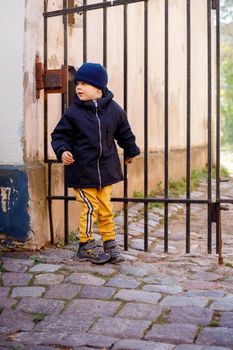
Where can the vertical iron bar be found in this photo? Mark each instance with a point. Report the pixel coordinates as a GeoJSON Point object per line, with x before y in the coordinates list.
{"type": "Point", "coordinates": [84, 33]}
{"type": "Point", "coordinates": [105, 36]}
{"type": "Point", "coordinates": [218, 145]}
{"type": "Point", "coordinates": [125, 72]}
{"type": "Point", "coordinates": [188, 135]}
{"type": "Point", "coordinates": [50, 203]}
{"type": "Point", "coordinates": [64, 106]}
{"type": "Point", "coordinates": [46, 127]}
{"type": "Point", "coordinates": [166, 149]}
{"type": "Point", "coordinates": [146, 124]}
{"type": "Point", "coordinates": [45, 95]}
{"type": "Point", "coordinates": [209, 65]}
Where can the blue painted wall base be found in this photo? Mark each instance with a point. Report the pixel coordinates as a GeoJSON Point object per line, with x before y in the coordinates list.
{"type": "Point", "coordinates": [14, 216]}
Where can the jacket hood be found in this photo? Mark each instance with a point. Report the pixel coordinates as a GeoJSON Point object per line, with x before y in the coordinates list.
{"type": "Point", "coordinates": [102, 102]}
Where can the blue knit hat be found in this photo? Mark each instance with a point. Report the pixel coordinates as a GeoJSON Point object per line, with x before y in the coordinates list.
{"type": "Point", "coordinates": [92, 73]}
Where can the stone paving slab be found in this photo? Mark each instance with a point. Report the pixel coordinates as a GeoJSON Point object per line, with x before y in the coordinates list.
{"type": "Point", "coordinates": [172, 333]}
{"type": "Point", "coordinates": [123, 282]}
{"type": "Point", "coordinates": [190, 315]}
{"type": "Point", "coordinates": [40, 305]}
{"type": "Point", "coordinates": [211, 294]}
{"type": "Point", "coordinates": [19, 292]}
{"type": "Point", "coordinates": [48, 279]}
{"type": "Point", "coordinates": [163, 289]}
{"type": "Point", "coordinates": [223, 304]}
{"type": "Point", "coordinates": [140, 311]}
{"type": "Point", "coordinates": [16, 279]}
{"type": "Point", "coordinates": [39, 338]}
{"type": "Point", "coordinates": [138, 296]}
{"type": "Point", "coordinates": [4, 291]}
{"type": "Point", "coordinates": [205, 276]}
{"type": "Point", "coordinates": [88, 267]}
{"type": "Point", "coordinates": [95, 308]}
{"type": "Point", "coordinates": [199, 347]}
{"type": "Point", "coordinates": [75, 323]}
{"type": "Point", "coordinates": [7, 302]}
{"type": "Point", "coordinates": [85, 278]}
{"type": "Point", "coordinates": [12, 321]}
{"type": "Point", "coordinates": [122, 328]}
{"type": "Point", "coordinates": [216, 336]}
{"type": "Point", "coordinates": [226, 320]}
{"type": "Point", "coordinates": [184, 301]}
{"type": "Point", "coordinates": [66, 291]}
{"type": "Point", "coordinates": [196, 284]}
{"type": "Point", "coordinates": [88, 340]}
{"type": "Point", "coordinates": [97, 292]}
{"type": "Point", "coordinates": [45, 268]}
{"type": "Point", "coordinates": [129, 344]}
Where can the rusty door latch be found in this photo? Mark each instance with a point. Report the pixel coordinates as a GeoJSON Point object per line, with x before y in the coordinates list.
{"type": "Point", "coordinates": [51, 80]}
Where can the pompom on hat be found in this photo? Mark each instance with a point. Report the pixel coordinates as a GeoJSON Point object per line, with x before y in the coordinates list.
{"type": "Point", "coordinates": [92, 73]}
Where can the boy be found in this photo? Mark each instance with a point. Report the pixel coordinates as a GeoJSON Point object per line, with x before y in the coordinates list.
{"type": "Point", "coordinates": [84, 141]}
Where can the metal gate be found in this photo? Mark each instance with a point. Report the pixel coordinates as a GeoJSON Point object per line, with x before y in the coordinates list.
{"type": "Point", "coordinates": [56, 81]}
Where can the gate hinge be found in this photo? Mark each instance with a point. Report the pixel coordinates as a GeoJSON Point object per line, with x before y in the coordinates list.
{"type": "Point", "coordinates": [52, 81]}
{"type": "Point", "coordinates": [214, 4]}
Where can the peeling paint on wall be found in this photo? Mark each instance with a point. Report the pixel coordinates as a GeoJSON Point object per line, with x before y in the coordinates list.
{"type": "Point", "coordinates": [14, 217]}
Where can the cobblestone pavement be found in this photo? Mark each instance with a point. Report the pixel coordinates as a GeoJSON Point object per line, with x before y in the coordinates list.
{"type": "Point", "coordinates": [151, 301]}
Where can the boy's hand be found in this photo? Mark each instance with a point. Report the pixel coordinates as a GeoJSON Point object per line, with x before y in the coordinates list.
{"type": "Point", "coordinates": [67, 158]}
{"type": "Point", "coordinates": [128, 160]}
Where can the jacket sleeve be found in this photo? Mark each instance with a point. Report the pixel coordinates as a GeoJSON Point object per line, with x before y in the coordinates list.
{"type": "Point", "coordinates": [62, 136]}
{"type": "Point", "coordinates": [125, 138]}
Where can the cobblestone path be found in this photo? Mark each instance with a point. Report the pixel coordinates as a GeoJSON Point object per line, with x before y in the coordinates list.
{"type": "Point", "coordinates": [151, 301]}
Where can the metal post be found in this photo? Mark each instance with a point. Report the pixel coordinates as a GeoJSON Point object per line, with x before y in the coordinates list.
{"type": "Point", "coordinates": [188, 133]}
{"type": "Point", "coordinates": [166, 147]}
{"type": "Point", "coordinates": [146, 124]}
{"type": "Point", "coordinates": [209, 77]}
{"type": "Point", "coordinates": [125, 72]}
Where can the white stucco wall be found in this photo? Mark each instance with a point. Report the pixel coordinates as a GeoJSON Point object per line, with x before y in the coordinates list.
{"type": "Point", "coordinates": [11, 87]}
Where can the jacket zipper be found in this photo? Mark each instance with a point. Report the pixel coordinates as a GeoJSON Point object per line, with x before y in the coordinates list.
{"type": "Point", "coordinates": [100, 135]}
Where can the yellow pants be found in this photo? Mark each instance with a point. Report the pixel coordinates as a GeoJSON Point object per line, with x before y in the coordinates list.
{"type": "Point", "coordinates": [96, 205]}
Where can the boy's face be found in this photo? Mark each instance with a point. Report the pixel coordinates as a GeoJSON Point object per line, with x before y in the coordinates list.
{"type": "Point", "coordinates": [87, 92]}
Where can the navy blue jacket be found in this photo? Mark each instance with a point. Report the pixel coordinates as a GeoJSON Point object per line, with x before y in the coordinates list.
{"type": "Point", "coordinates": [88, 132]}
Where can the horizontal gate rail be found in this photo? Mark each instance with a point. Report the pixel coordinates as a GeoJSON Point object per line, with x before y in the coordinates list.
{"type": "Point", "coordinates": [90, 7]}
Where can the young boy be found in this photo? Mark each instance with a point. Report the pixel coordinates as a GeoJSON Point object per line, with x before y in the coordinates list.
{"type": "Point", "coordinates": [84, 141]}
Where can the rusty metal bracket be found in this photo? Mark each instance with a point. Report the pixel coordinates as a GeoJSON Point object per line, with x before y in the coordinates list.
{"type": "Point", "coordinates": [216, 217]}
{"type": "Point", "coordinates": [52, 81]}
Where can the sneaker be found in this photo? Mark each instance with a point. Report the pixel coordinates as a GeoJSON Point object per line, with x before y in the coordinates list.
{"type": "Point", "coordinates": [111, 248]}
{"type": "Point", "coordinates": [90, 251]}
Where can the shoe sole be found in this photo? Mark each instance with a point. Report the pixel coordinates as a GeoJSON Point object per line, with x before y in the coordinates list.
{"type": "Point", "coordinates": [93, 261]}
{"type": "Point", "coordinates": [116, 260]}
